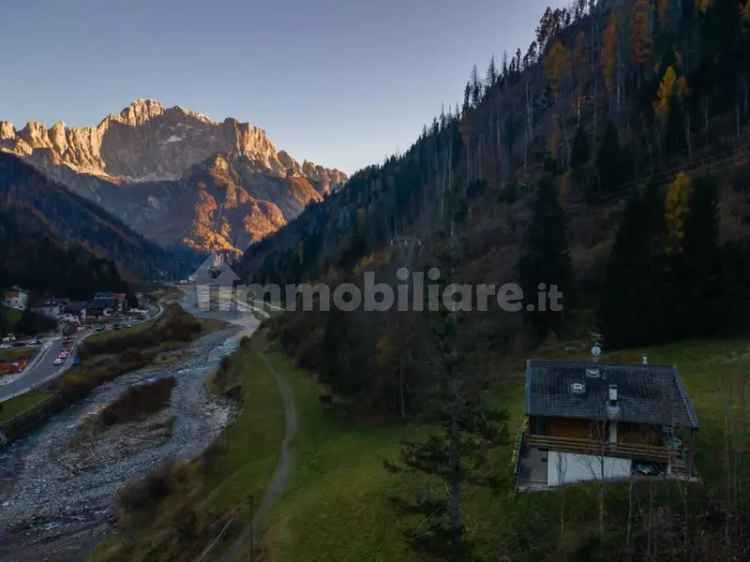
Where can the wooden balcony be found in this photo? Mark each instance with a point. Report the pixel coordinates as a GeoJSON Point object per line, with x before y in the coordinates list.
{"type": "Point", "coordinates": [648, 453]}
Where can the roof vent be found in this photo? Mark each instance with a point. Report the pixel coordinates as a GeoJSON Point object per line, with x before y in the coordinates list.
{"type": "Point", "coordinates": [577, 388]}
{"type": "Point", "coordinates": [593, 373]}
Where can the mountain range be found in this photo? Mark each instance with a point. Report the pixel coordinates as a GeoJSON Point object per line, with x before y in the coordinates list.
{"type": "Point", "coordinates": [176, 176]}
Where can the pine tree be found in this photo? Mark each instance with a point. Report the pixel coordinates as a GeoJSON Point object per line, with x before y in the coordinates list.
{"type": "Point", "coordinates": [632, 307]}
{"type": "Point", "coordinates": [581, 150]}
{"type": "Point", "coordinates": [467, 97]}
{"type": "Point", "coordinates": [546, 258]}
{"type": "Point", "coordinates": [613, 162]}
{"type": "Point", "coordinates": [476, 87]}
{"type": "Point", "coordinates": [694, 272]}
{"type": "Point", "coordinates": [456, 457]}
{"type": "Point", "coordinates": [492, 73]}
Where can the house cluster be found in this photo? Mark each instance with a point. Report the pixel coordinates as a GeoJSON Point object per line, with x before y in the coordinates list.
{"type": "Point", "coordinates": [16, 298]}
{"type": "Point", "coordinates": [589, 421]}
{"type": "Point", "coordinates": [103, 305]}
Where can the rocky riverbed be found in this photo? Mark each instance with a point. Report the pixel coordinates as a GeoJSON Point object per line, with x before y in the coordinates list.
{"type": "Point", "coordinates": [58, 487]}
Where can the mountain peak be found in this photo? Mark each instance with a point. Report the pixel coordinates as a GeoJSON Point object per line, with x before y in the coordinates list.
{"type": "Point", "coordinates": [141, 111]}
{"type": "Point", "coordinates": [148, 142]}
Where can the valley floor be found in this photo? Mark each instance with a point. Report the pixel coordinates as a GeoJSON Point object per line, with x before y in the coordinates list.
{"type": "Point", "coordinates": [337, 505]}
{"type": "Point", "coordinates": [59, 485]}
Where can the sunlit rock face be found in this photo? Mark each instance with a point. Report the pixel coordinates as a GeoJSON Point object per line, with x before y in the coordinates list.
{"type": "Point", "coordinates": [175, 175]}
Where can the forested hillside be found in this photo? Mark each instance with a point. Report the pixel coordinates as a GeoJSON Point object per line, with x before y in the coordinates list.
{"type": "Point", "coordinates": [634, 115]}
{"type": "Point", "coordinates": [59, 242]}
{"type": "Point", "coordinates": [609, 159]}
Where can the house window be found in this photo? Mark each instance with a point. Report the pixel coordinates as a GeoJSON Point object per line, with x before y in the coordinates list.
{"type": "Point", "coordinates": [578, 388]}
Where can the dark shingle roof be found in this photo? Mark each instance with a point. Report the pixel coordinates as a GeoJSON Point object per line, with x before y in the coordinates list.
{"type": "Point", "coordinates": [650, 394]}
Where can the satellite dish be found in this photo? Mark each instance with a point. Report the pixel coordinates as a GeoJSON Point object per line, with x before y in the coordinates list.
{"type": "Point", "coordinates": [596, 351]}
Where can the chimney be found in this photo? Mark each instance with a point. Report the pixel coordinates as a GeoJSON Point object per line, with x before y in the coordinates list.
{"type": "Point", "coordinates": [613, 394]}
{"type": "Point", "coordinates": [613, 405]}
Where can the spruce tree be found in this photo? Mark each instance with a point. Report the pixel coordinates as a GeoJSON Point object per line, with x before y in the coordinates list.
{"type": "Point", "coordinates": [613, 162]}
{"type": "Point", "coordinates": [633, 309]}
{"type": "Point", "coordinates": [455, 458]}
{"type": "Point", "coordinates": [581, 151]}
{"type": "Point", "coordinates": [546, 258]}
{"type": "Point", "coordinates": [694, 272]}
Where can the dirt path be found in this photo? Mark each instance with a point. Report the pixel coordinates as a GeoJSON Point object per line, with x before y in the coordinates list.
{"type": "Point", "coordinates": [280, 479]}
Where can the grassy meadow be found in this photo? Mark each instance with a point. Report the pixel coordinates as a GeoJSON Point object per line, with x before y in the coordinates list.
{"type": "Point", "coordinates": [337, 507]}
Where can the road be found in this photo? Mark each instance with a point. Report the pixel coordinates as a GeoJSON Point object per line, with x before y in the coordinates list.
{"type": "Point", "coordinates": [59, 484]}
{"type": "Point", "coordinates": [43, 368]}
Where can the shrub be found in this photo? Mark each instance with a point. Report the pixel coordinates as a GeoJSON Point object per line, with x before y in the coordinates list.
{"type": "Point", "coordinates": [138, 402]}
{"type": "Point", "coordinates": [147, 492]}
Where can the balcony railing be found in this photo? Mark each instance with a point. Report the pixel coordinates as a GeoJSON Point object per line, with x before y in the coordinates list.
{"type": "Point", "coordinates": [603, 448]}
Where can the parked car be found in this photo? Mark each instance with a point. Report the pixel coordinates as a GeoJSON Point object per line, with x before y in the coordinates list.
{"type": "Point", "coordinates": [58, 361]}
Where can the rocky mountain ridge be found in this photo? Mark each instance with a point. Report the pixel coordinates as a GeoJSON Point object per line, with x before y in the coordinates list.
{"type": "Point", "coordinates": [148, 142]}
{"type": "Point", "coordinates": [175, 175]}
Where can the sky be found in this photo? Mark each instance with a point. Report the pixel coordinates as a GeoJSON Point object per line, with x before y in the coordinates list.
{"type": "Point", "coordinates": [343, 83]}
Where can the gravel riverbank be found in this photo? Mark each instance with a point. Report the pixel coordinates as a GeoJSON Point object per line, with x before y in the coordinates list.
{"type": "Point", "coordinates": [58, 491]}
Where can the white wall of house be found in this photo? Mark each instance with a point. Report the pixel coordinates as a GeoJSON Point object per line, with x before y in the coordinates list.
{"type": "Point", "coordinates": [568, 468]}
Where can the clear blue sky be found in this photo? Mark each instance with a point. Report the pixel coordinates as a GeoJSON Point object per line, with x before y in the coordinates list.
{"type": "Point", "coordinates": [342, 83]}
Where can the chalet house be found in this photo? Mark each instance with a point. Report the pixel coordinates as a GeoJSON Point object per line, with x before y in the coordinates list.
{"type": "Point", "coordinates": [597, 421]}
{"type": "Point", "coordinates": [16, 298]}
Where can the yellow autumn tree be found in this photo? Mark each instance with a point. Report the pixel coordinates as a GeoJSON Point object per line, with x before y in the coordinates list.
{"type": "Point", "coordinates": [642, 38]}
{"type": "Point", "coordinates": [676, 208]}
{"type": "Point", "coordinates": [667, 88]}
{"type": "Point", "coordinates": [662, 8]}
{"type": "Point", "coordinates": [703, 5]}
{"type": "Point", "coordinates": [609, 53]}
{"type": "Point", "coordinates": [556, 65]}
{"type": "Point", "coordinates": [553, 139]}
{"type": "Point", "coordinates": [670, 87]}
{"type": "Point", "coordinates": [745, 16]}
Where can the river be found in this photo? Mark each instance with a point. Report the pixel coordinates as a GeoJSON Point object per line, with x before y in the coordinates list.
{"type": "Point", "coordinates": [58, 487]}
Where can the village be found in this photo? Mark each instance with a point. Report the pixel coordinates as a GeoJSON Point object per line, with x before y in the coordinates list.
{"type": "Point", "coordinates": [52, 318]}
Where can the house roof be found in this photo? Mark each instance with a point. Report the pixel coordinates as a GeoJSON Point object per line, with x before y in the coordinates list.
{"type": "Point", "coordinates": [649, 394]}
{"type": "Point", "coordinates": [215, 271]}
